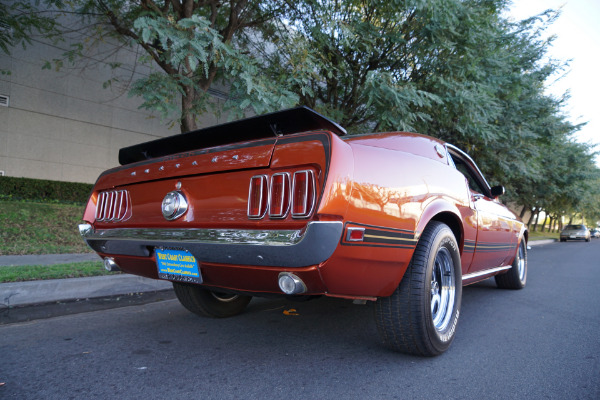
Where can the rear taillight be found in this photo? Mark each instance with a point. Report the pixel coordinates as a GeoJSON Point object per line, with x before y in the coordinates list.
{"type": "Point", "coordinates": [303, 193]}
{"type": "Point", "coordinates": [258, 197]}
{"type": "Point", "coordinates": [280, 193]}
{"type": "Point", "coordinates": [113, 206]}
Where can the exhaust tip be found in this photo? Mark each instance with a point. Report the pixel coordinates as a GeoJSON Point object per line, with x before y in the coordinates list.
{"type": "Point", "coordinates": [111, 265]}
{"type": "Point", "coordinates": [291, 284]}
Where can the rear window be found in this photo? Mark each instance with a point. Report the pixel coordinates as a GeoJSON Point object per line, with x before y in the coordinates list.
{"type": "Point", "coordinates": [575, 227]}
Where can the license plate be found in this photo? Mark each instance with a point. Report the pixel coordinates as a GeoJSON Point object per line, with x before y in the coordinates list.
{"type": "Point", "coordinates": [177, 265]}
{"type": "Point", "coordinates": [573, 237]}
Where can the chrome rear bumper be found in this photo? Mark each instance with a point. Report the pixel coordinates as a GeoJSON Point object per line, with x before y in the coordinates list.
{"type": "Point", "coordinates": [271, 248]}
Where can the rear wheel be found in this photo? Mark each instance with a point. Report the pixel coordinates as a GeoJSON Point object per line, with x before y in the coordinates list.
{"type": "Point", "coordinates": [420, 317]}
{"type": "Point", "coordinates": [516, 277]}
{"type": "Point", "coordinates": [209, 303]}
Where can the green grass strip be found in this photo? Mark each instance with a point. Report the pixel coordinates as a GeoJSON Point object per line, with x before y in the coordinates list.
{"type": "Point", "coordinates": [57, 271]}
{"type": "Point", "coordinates": [35, 228]}
{"type": "Point", "coordinates": [543, 235]}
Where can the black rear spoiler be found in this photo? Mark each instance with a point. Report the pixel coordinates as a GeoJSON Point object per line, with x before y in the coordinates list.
{"type": "Point", "coordinates": [279, 123]}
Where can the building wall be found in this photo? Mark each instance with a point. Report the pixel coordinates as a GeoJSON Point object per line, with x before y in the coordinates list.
{"type": "Point", "coordinates": [63, 125]}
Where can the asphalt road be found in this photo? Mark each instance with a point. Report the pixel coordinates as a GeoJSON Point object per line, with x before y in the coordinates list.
{"type": "Point", "coordinates": [538, 343]}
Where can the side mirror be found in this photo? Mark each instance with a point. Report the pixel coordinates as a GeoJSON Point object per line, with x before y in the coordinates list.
{"type": "Point", "coordinates": [497, 191]}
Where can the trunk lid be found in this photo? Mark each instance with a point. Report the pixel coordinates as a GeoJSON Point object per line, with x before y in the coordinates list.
{"type": "Point", "coordinates": [250, 155]}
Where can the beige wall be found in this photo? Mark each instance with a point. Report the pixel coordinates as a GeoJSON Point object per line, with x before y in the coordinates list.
{"type": "Point", "coordinates": [64, 125]}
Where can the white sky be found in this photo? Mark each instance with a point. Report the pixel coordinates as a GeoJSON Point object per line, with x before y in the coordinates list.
{"type": "Point", "coordinates": [577, 33]}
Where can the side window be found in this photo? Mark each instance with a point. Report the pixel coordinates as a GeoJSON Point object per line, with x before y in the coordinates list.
{"type": "Point", "coordinates": [468, 173]}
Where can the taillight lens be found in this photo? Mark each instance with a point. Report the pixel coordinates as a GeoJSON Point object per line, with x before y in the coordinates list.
{"type": "Point", "coordinates": [279, 195]}
{"type": "Point", "coordinates": [113, 206]}
{"type": "Point", "coordinates": [258, 197]}
{"type": "Point", "coordinates": [303, 193]}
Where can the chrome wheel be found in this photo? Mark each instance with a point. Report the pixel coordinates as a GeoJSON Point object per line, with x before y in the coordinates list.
{"type": "Point", "coordinates": [443, 288]}
{"type": "Point", "coordinates": [207, 303]}
{"type": "Point", "coordinates": [224, 297]}
{"type": "Point", "coordinates": [521, 262]}
{"type": "Point", "coordinates": [516, 277]}
{"type": "Point", "coordinates": [420, 317]}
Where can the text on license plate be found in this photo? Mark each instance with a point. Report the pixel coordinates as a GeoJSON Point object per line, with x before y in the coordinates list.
{"type": "Point", "coordinates": [177, 265]}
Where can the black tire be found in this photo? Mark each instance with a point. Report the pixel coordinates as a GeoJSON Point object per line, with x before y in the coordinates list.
{"type": "Point", "coordinates": [588, 239]}
{"type": "Point", "coordinates": [208, 303]}
{"type": "Point", "coordinates": [408, 320]}
{"type": "Point", "coordinates": [516, 277]}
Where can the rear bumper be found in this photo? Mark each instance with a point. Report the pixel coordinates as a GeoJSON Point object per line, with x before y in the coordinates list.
{"type": "Point", "coordinates": [574, 237]}
{"type": "Point", "coordinates": [269, 248]}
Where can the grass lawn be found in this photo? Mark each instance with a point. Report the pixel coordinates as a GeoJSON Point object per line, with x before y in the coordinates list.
{"type": "Point", "coordinates": [543, 235]}
{"type": "Point", "coordinates": [39, 228]}
{"type": "Point", "coordinates": [58, 271]}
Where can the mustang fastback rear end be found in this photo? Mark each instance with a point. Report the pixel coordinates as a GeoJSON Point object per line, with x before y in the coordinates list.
{"type": "Point", "coordinates": [284, 204]}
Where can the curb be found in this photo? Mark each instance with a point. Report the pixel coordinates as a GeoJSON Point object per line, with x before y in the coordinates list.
{"type": "Point", "coordinates": [48, 291]}
{"type": "Point", "coordinates": [541, 242]}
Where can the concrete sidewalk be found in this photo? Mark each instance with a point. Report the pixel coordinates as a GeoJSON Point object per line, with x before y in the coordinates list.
{"type": "Point", "coordinates": [52, 290]}
{"type": "Point", "coordinates": [47, 291]}
{"type": "Point", "coordinates": [541, 242]}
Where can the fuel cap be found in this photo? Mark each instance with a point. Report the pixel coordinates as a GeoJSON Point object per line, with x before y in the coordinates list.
{"type": "Point", "coordinates": [174, 205]}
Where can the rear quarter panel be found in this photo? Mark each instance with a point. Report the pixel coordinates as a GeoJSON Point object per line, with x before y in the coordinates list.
{"type": "Point", "coordinates": [394, 194]}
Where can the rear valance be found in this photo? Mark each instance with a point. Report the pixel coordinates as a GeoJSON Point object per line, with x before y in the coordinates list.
{"type": "Point", "coordinates": [284, 122]}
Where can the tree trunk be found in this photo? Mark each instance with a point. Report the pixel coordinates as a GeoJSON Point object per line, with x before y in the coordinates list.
{"type": "Point", "coordinates": [537, 217]}
{"type": "Point", "coordinates": [549, 224]}
{"type": "Point", "coordinates": [560, 223]}
{"type": "Point", "coordinates": [188, 118]}
{"type": "Point", "coordinates": [534, 212]}
{"type": "Point", "coordinates": [523, 211]}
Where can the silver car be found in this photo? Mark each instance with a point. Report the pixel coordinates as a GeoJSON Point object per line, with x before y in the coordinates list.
{"type": "Point", "coordinates": [575, 232]}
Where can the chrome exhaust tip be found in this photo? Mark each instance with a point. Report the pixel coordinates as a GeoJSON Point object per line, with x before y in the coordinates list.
{"type": "Point", "coordinates": [111, 265]}
{"type": "Point", "coordinates": [291, 284]}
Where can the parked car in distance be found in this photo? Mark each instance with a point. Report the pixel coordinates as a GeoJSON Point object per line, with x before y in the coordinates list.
{"type": "Point", "coordinates": [285, 204]}
{"type": "Point", "coordinates": [575, 232]}
{"type": "Point", "coordinates": [595, 233]}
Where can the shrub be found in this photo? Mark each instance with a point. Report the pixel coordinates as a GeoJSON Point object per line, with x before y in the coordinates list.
{"type": "Point", "coordinates": [45, 191]}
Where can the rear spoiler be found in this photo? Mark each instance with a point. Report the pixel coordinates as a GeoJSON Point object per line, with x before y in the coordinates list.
{"type": "Point", "coordinates": [286, 122]}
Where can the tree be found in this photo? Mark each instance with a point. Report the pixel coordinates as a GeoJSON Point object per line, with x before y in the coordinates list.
{"type": "Point", "coordinates": [458, 70]}
{"type": "Point", "coordinates": [194, 44]}
{"type": "Point", "coordinates": [20, 21]}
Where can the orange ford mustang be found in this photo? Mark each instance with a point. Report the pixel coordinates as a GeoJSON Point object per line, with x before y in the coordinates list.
{"type": "Point", "coordinates": [285, 204]}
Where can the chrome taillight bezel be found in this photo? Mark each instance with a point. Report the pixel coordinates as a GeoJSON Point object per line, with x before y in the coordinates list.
{"type": "Point", "coordinates": [113, 206]}
{"type": "Point", "coordinates": [288, 195]}
{"type": "Point", "coordinates": [310, 198]}
{"type": "Point", "coordinates": [264, 197]}
{"type": "Point", "coordinates": [285, 192]}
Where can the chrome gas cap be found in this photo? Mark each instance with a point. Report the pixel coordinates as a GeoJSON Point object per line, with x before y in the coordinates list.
{"type": "Point", "coordinates": [174, 205]}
